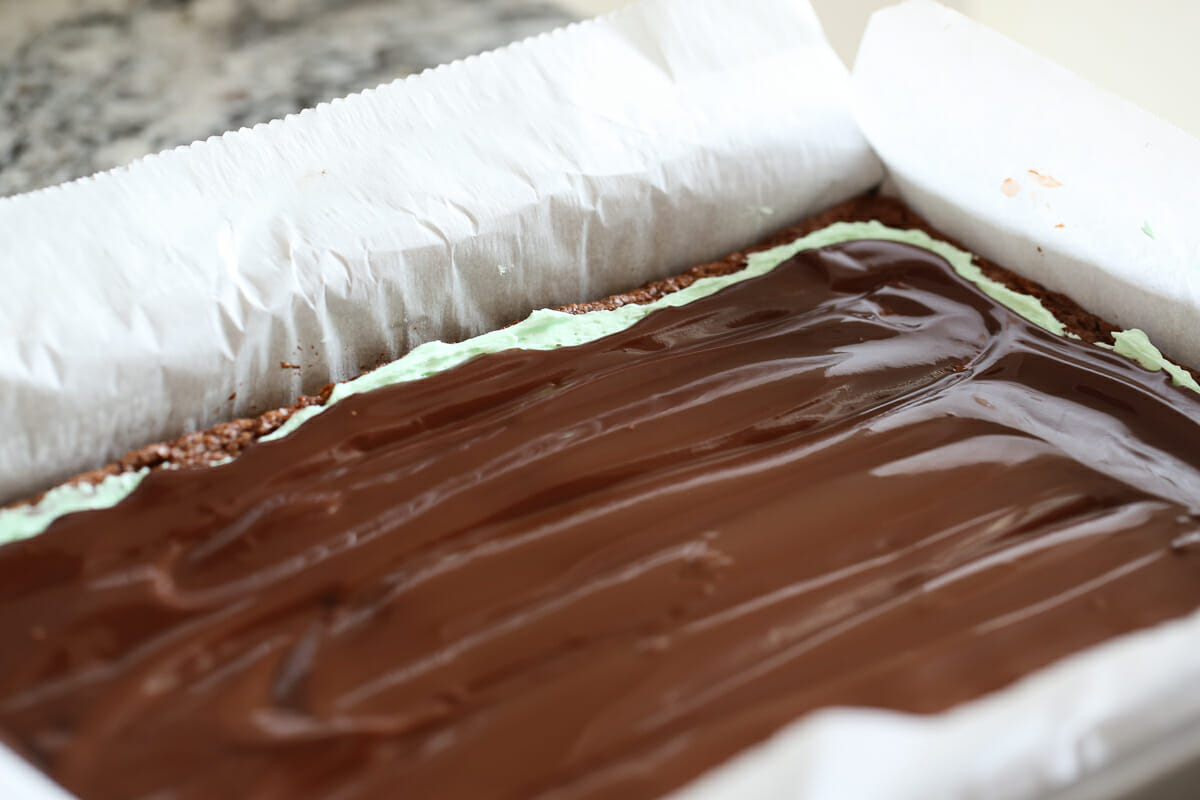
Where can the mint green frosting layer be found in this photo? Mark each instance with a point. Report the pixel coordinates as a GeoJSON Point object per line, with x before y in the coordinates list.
{"type": "Point", "coordinates": [1135, 345]}
{"type": "Point", "coordinates": [547, 330]}
{"type": "Point", "coordinates": [1027, 306]}
{"type": "Point", "coordinates": [26, 521]}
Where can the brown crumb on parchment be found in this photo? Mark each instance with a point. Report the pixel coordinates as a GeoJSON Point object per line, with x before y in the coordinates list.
{"type": "Point", "coordinates": [1045, 180]}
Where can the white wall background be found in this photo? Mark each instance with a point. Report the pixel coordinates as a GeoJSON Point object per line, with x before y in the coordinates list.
{"type": "Point", "coordinates": [1144, 50]}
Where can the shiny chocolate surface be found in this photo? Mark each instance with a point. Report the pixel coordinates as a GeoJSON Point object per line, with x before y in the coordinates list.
{"type": "Point", "coordinates": [601, 570]}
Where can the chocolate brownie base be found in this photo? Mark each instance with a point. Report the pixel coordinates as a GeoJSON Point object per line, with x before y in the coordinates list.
{"type": "Point", "coordinates": [229, 439]}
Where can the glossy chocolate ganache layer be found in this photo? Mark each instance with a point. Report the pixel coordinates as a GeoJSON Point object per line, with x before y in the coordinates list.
{"type": "Point", "coordinates": [600, 570]}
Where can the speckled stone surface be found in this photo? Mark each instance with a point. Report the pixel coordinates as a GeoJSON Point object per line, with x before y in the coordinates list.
{"type": "Point", "coordinates": [86, 85]}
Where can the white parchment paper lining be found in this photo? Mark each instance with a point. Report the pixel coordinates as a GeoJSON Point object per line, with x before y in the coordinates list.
{"type": "Point", "coordinates": [173, 294]}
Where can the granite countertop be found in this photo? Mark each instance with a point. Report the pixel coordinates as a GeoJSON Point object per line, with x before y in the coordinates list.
{"type": "Point", "coordinates": [86, 85]}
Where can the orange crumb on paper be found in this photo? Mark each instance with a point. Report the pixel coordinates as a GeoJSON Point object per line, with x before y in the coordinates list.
{"type": "Point", "coordinates": [231, 397]}
{"type": "Point", "coordinates": [1045, 180]}
{"type": "Point", "coordinates": [1039, 248]}
{"type": "Point", "coordinates": [286, 365]}
{"type": "Point", "coordinates": [1010, 187]}
{"type": "Point", "coordinates": [1060, 225]}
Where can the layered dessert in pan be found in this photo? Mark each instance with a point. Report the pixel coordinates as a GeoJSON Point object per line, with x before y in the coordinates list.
{"type": "Point", "coordinates": [598, 553]}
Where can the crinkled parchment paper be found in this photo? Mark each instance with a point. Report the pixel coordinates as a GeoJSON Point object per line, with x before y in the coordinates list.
{"type": "Point", "coordinates": [135, 304]}
{"type": "Point", "coordinates": [224, 278]}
